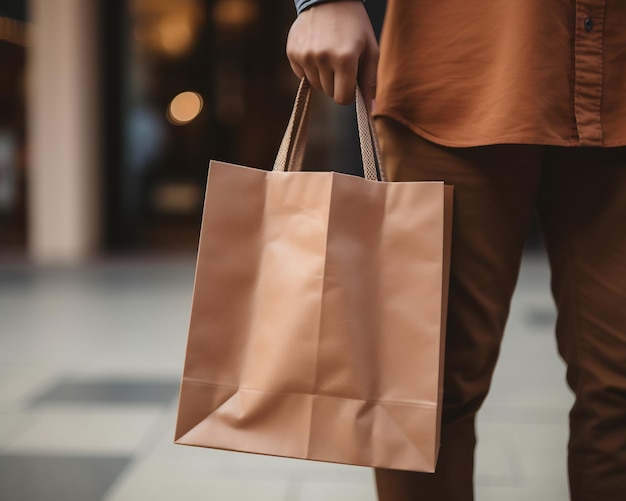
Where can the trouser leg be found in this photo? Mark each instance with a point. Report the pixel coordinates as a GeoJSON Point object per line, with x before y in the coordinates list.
{"type": "Point", "coordinates": [582, 210]}
{"type": "Point", "coordinates": [494, 199]}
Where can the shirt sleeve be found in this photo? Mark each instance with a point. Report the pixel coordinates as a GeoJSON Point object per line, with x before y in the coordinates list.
{"type": "Point", "coordinates": [302, 5]}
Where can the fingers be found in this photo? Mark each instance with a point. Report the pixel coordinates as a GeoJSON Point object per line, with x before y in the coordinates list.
{"type": "Point", "coordinates": [296, 68]}
{"type": "Point", "coordinates": [367, 76]}
{"type": "Point", "coordinates": [336, 76]}
{"type": "Point", "coordinates": [313, 77]}
{"type": "Point", "coordinates": [337, 84]}
{"type": "Point", "coordinates": [345, 81]}
{"type": "Point", "coordinates": [327, 78]}
{"type": "Point", "coordinates": [310, 72]}
{"type": "Point", "coordinates": [314, 64]}
{"type": "Point", "coordinates": [331, 44]}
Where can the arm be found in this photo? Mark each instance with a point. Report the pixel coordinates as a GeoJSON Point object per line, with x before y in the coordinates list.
{"type": "Point", "coordinates": [333, 45]}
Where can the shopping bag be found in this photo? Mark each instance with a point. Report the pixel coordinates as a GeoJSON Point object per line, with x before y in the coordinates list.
{"type": "Point", "coordinates": [318, 313]}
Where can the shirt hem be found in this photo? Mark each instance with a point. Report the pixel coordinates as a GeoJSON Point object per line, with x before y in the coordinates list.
{"type": "Point", "coordinates": [531, 140]}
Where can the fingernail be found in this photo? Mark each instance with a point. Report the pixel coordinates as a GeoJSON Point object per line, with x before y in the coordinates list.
{"type": "Point", "coordinates": [373, 106]}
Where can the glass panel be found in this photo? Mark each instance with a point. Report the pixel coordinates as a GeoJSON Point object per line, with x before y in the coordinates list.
{"type": "Point", "coordinates": [189, 80]}
{"type": "Point", "coordinates": [12, 129]}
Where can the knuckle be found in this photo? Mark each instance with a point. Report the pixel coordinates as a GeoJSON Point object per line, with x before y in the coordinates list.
{"type": "Point", "coordinates": [292, 55]}
{"type": "Point", "coordinates": [322, 56]}
{"type": "Point", "coordinates": [345, 59]}
{"type": "Point", "coordinates": [309, 56]}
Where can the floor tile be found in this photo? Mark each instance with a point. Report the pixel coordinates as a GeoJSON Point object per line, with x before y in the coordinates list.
{"type": "Point", "coordinates": [541, 316]}
{"type": "Point", "coordinates": [542, 449]}
{"type": "Point", "coordinates": [76, 430]}
{"type": "Point", "coordinates": [545, 492]}
{"type": "Point", "coordinates": [257, 464]}
{"type": "Point", "coordinates": [536, 453]}
{"type": "Point", "coordinates": [524, 414]}
{"type": "Point", "coordinates": [11, 424]}
{"type": "Point", "coordinates": [19, 385]}
{"type": "Point", "coordinates": [115, 391]}
{"type": "Point", "coordinates": [338, 491]}
{"type": "Point", "coordinates": [154, 479]}
{"type": "Point", "coordinates": [58, 478]}
{"type": "Point", "coordinates": [497, 462]}
{"type": "Point", "coordinates": [100, 352]}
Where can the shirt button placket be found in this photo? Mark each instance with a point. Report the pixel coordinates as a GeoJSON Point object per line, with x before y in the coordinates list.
{"type": "Point", "coordinates": [588, 70]}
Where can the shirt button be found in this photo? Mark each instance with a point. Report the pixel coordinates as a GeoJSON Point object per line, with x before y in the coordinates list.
{"type": "Point", "coordinates": [588, 24]}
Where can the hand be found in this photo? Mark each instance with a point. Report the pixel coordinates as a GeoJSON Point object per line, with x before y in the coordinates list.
{"type": "Point", "coordinates": [333, 44]}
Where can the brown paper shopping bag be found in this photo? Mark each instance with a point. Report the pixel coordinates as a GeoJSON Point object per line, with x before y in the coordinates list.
{"type": "Point", "coordinates": [318, 315]}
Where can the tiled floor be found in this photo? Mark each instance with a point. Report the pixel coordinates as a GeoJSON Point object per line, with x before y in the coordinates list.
{"type": "Point", "coordinates": [89, 366]}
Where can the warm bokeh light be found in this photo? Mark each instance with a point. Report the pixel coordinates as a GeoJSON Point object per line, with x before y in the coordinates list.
{"type": "Point", "coordinates": [177, 198]}
{"type": "Point", "coordinates": [166, 26]}
{"type": "Point", "coordinates": [184, 108]}
{"type": "Point", "coordinates": [235, 13]}
{"type": "Point", "coordinates": [176, 36]}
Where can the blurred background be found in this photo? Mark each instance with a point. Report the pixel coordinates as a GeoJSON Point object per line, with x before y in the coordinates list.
{"type": "Point", "coordinates": [110, 111]}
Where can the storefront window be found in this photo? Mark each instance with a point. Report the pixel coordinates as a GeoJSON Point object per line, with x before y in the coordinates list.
{"type": "Point", "coordinates": [12, 129]}
{"type": "Point", "coordinates": [188, 80]}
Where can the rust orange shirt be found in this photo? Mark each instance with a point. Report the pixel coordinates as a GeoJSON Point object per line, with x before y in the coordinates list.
{"type": "Point", "coordinates": [478, 72]}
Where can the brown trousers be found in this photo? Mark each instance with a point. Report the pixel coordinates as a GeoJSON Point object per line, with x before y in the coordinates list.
{"type": "Point", "coordinates": [579, 195]}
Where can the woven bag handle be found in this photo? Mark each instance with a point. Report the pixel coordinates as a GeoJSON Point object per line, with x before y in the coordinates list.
{"type": "Point", "coordinates": [291, 151]}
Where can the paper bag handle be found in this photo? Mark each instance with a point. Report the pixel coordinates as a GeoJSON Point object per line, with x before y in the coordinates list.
{"type": "Point", "coordinates": [291, 151]}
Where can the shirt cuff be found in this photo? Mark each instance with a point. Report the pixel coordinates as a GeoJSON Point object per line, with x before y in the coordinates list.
{"type": "Point", "coordinates": [302, 5]}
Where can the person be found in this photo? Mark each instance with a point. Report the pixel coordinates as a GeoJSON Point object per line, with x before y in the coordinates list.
{"type": "Point", "coordinates": [521, 105]}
